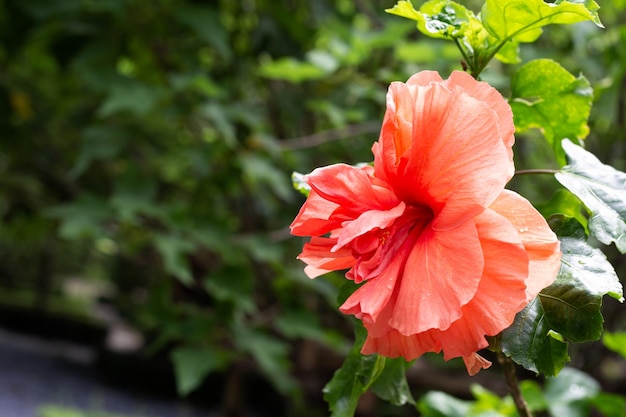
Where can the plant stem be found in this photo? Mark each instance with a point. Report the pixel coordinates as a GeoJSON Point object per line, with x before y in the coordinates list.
{"type": "Point", "coordinates": [508, 366]}
{"type": "Point", "coordinates": [536, 171]}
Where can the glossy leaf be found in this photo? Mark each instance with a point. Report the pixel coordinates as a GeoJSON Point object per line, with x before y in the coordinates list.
{"type": "Point", "coordinates": [529, 343]}
{"type": "Point", "coordinates": [567, 310]}
{"type": "Point", "coordinates": [522, 20]}
{"type": "Point", "coordinates": [437, 18]}
{"type": "Point", "coordinates": [544, 95]}
{"type": "Point", "coordinates": [602, 189]}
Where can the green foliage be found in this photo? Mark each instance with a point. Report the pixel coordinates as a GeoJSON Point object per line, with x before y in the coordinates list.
{"type": "Point", "coordinates": [601, 188]}
{"type": "Point", "coordinates": [545, 95]}
{"type": "Point", "coordinates": [385, 376]}
{"type": "Point", "coordinates": [498, 29]}
{"type": "Point", "coordinates": [566, 311]}
{"type": "Point", "coordinates": [571, 393]}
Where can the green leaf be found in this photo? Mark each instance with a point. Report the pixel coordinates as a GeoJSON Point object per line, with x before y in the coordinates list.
{"type": "Point", "coordinates": [568, 309]}
{"type": "Point", "coordinates": [533, 394]}
{"type": "Point", "coordinates": [602, 189]}
{"type": "Point", "coordinates": [529, 343]}
{"type": "Point", "coordinates": [233, 284]}
{"type": "Point", "coordinates": [292, 70]}
{"type": "Point", "coordinates": [566, 204]}
{"type": "Point", "coordinates": [173, 250]}
{"type": "Point", "coordinates": [440, 404]}
{"type": "Point", "coordinates": [616, 342]}
{"type": "Point", "coordinates": [270, 354]}
{"type": "Point", "coordinates": [568, 393]}
{"type": "Point", "coordinates": [522, 20]}
{"type": "Point", "coordinates": [192, 365]}
{"type": "Point", "coordinates": [437, 18]}
{"type": "Point", "coordinates": [306, 324]}
{"type": "Point", "coordinates": [544, 95]}
{"type": "Point", "coordinates": [391, 385]}
{"type": "Point", "coordinates": [610, 405]}
{"type": "Point", "coordinates": [84, 217]}
{"type": "Point", "coordinates": [352, 380]}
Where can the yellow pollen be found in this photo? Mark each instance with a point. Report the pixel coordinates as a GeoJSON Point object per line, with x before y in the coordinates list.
{"type": "Point", "coordinates": [383, 237]}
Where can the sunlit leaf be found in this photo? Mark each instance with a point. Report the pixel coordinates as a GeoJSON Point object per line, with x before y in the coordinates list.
{"type": "Point", "coordinates": [616, 342]}
{"type": "Point", "coordinates": [436, 18]}
{"type": "Point", "coordinates": [602, 189]}
{"type": "Point", "coordinates": [193, 365]}
{"type": "Point", "coordinates": [544, 95]}
{"type": "Point", "coordinates": [522, 20]}
{"type": "Point", "coordinates": [567, 204]}
{"type": "Point", "coordinates": [292, 70]}
{"type": "Point", "coordinates": [297, 179]}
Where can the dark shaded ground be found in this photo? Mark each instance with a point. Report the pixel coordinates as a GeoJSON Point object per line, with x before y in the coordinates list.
{"type": "Point", "coordinates": [36, 372]}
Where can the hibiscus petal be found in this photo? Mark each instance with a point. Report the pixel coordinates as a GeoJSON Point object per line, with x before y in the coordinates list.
{"type": "Point", "coordinates": [351, 188]}
{"type": "Point", "coordinates": [541, 243]}
{"type": "Point", "coordinates": [457, 164]}
{"type": "Point", "coordinates": [441, 274]}
{"type": "Point", "coordinates": [394, 345]}
{"type": "Point", "coordinates": [474, 363]}
{"type": "Point", "coordinates": [424, 78]}
{"type": "Point", "coordinates": [485, 93]}
{"type": "Point", "coordinates": [369, 220]}
{"type": "Point", "coordinates": [313, 219]}
{"type": "Point", "coordinates": [501, 292]}
{"type": "Point", "coordinates": [320, 259]}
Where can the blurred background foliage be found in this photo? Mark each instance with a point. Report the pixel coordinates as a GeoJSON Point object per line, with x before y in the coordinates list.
{"type": "Point", "coordinates": [145, 171]}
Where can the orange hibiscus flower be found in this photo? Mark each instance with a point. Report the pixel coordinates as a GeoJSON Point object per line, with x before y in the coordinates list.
{"type": "Point", "coordinates": [444, 254]}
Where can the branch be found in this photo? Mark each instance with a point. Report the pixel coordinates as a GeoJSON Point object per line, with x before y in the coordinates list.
{"type": "Point", "coordinates": [508, 366]}
{"type": "Point", "coordinates": [319, 138]}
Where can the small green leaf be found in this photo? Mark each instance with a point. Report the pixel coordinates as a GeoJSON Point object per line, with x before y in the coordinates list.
{"type": "Point", "coordinates": [616, 342]}
{"type": "Point", "coordinates": [522, 20]}
{"type": "Point", "coordinates": [192, 365]}
{"type": "Point", "coordinates": [436, 18]}
{"type": "Point", "coordinates": [544, 95]}
{"type": "Point", "coordinates": [353, 379]}
{"type": "Point", "coordinates": [602, 189]}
